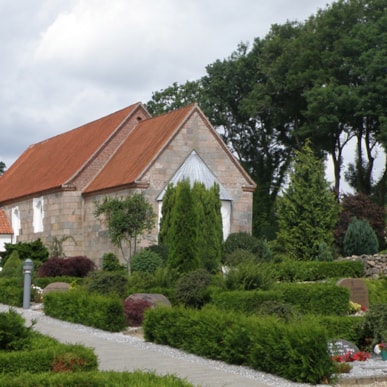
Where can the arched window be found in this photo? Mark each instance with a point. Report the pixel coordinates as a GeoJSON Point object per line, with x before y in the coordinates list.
{"type": "Point", "coordinates": [15, 219]}
{"type": "Point", "coordinates": [38, 214]}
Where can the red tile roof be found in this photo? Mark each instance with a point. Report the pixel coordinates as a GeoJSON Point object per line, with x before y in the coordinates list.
{"type": "Point", "coordinates": [139, 150]}
{"type": "Point", "coordinates": [5, 227]}
{"type": "Point", "coordinates": [49, 164]}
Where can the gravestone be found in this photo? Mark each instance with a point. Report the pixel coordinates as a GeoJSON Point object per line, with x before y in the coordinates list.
{"type": "Point", "coordinates": [358, 290]}
{"type": "Point", "coordinates": [341, 347]}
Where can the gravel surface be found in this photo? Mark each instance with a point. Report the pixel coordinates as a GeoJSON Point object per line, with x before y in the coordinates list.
{"type": "Point", "coordinates": [373, 367]}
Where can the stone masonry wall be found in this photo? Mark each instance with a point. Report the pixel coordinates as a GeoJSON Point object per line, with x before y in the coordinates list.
{"type": "Point", "coordinates": [374, 265]}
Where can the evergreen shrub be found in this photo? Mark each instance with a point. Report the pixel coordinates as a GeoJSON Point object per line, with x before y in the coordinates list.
{"type": "Point", "coordinates": [297, 352]}
{"type": "Point", "coordinates": [146, 261]}
{"type": "Point", "coordinates": [360, 238]}
{"type": "Point", "coordinates": [11, 291]}
{"type": "Point", "coordinates": [79, 306]}
{"type": "Point", "coordinates": [107, 282]}
{"type": "Point", "coordinates": [14, 335]}
{"type": "Point", "coordinates": [110, 262]}
{"type": "Point", "coordinates": [13, 267]}
{"type": "Point", "coordinates": [192, 289]}
{"type": "Point", "coordinates": [377, 290]}
{"type": "Point", "coordinates": [249, 276]}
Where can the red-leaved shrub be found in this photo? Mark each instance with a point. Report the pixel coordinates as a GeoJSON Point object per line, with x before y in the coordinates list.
{"type": "Point", "coordinates": [134, 311]}
{"type": "Point", "coordinates": [70, 267]}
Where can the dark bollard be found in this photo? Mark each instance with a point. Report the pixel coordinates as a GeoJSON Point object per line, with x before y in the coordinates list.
{"type": "Point", "coordinates": [28, 266]}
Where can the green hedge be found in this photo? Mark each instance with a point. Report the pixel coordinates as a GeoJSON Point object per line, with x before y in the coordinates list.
{"type": "Point", "coordinates": [45, 354]}
{"type": "Point", "coordinates": [42, 282]}
{"type": "Point", "coordinates": [298, 271]}
{"type": "Point", "coordinates": [296, 352]}
{"type": "Point", "coordinates": [240, 301]}
{"type": "Point", "coordinates": [95, 379]}
{"type": "Point", "coordinates": [93, 310]}
{"type": "Point", "coordinates": [377, 290]}
{"type": "Point", "coordinates": [316, 298]}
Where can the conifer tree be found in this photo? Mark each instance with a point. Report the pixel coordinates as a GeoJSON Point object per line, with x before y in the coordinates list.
{"type": "Point", "coordinates": [165, 222]}
{"type": "Point", "coordinates": [360, 238]}
{"type": "Point", "coordinates": [308, 210]}
{"type": "Point", "coordinates": [183, 234]}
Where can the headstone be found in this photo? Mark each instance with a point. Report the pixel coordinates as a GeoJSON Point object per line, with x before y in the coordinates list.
{"type": "Point", "coordinates": [56, 287]}
{"type": "Point", "coordinates": [341, 347]}
{"type": "Point", "coordinates": [153, 298]}
{"type": "Point", "coordinates": [358, 290]}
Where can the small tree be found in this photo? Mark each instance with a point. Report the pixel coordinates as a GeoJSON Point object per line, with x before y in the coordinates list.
{"type": "Point", "coordinates": [308, 211]}
{"type": "Point", "coordinates": [126, 220]}
{"type": "Point", "coordinates": [360, 238]}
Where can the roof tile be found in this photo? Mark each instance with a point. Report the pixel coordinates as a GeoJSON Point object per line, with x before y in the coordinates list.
{"type": "Point", "coordinates": [49, 164]}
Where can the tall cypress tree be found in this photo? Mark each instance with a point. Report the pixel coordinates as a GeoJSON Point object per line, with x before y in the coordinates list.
{"type": "Point", "coordinates": [183, 234]}
{"type": "Point", "coordinates": [166, 209]}
{"type": "Point", "coordinates": [308, 210]}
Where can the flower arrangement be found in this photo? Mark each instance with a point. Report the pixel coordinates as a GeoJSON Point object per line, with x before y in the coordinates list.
{"type": "Point", "coordinates": [351, 356]}
{"type": "Point", "coordinates": [37, 293]}
{"type": "Point", "coordinates": [356, 309]}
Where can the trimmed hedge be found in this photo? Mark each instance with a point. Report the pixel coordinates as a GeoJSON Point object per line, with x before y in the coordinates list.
{"type": "Point", "coordinates": [377, 290]}
{"type": "Point", "coordinates": [95, 379]}
{"type": "Point", "coordinates": [59, 357]}
{"type": "Point", "coordinates": [243, 301]}
{"type": "Point", "coordinates": [89, 309]}
{"type": "Point", "coordinates": [298, 271]}
{"type": "Point", "coordinates": [297, 352]}
{"type": "Point", "coordinates": [317, 298]}
{"type": "Point", "coordinates": [11, 291]}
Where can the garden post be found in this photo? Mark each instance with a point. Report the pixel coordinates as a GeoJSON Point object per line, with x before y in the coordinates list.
{"type": "Point", "coordinates": [28, 266]}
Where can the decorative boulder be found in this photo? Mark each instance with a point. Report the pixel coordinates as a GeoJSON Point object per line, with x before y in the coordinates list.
{"type": "Point", "coordinates": [56, 287]}
{"type": "Point", "coordinates": [154, 299]}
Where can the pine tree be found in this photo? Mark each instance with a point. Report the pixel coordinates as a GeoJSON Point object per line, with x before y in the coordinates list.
{"type": "Point", "coordinates": [308, 211]}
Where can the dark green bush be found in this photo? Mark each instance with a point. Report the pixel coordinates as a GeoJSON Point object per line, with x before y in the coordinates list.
{"type": "Point", "coordinates": [110, 262]}
{"type": "Point", "coordinates": [146, 261]}
{"type": "Point", "coordinates": [14, 335]}
{"type": "Point", "coordinates": [161, 250]}
{"type": "Point", "coordinates": [294, 351]}
{"type": "Point", "coordinates": [316, 298]}
{"type": "Point", "coordinates": [240, 240]}
{"type": "Point", "coordinates": [192, 289]}
{"type": "Point", "coordinates": [107, 282]}
{"type": "Point", "coordinates": [95, 379]}
{"type": "Point", "coordinates": [249, 276]}
{"type": "Point", "coordinates": [26, 250]}
{"type": "Point", "coordinates": [360, 238]}
{"type": "Point", "coordinates": [78, 306]}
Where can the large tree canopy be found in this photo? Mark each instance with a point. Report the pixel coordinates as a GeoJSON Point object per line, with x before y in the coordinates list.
{"type": "Point", "coordinates": [323, 79]}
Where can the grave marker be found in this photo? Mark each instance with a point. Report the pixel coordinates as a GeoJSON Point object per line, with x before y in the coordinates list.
{"type": "Point", "coordinates": [358, 290]}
